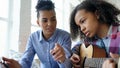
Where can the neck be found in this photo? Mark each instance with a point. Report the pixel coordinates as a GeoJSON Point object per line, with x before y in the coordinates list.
{"type": "Point", "coordinates": [103, 30]}
{"type": "Point", "coordinates": [46, 36]}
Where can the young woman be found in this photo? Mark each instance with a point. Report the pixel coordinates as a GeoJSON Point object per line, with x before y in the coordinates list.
{"type": "Point", "coordinates": [96, 22]}
{"type": "Point", "coordinates": [52, 45]}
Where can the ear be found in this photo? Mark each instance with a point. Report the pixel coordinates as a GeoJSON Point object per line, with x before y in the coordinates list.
{"type": "Point", "coordinates": [38, 22]}
{"type": "Point", "coordinates": [97, 14]}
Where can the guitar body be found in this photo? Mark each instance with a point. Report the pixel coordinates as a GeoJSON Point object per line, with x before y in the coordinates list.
{"type": "Point", "coordinates": [91, 51]}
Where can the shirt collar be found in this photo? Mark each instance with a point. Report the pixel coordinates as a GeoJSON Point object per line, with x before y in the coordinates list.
{"type": "Point", "coordinates": [41, 36]}
{"type": "Point", "coordinates": [51, 38]}
{"type": "Point", "coordinates": [112, 33]}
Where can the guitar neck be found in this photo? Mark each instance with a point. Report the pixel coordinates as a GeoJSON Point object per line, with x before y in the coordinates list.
{"type": "Point", "coordinates": [95, 62]}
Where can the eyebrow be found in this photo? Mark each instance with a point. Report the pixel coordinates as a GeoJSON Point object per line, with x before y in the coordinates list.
{"type": "Point", "coordinates": [53, 17]}
{"type": "Point", "coordinates": [44, 18]}
{"type": "Point", "coordinates": [82, 18]}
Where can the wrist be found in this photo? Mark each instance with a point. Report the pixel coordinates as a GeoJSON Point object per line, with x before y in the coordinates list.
{"type": "Point", "coordinates": [62, 60]}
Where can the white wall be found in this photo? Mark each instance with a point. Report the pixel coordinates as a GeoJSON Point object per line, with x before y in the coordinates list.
{"type": "Point", "coordinates": [25, 23]}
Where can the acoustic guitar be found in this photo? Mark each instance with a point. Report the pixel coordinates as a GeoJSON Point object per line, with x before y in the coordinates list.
{"type": "Point", "coordinates": [92, 56]}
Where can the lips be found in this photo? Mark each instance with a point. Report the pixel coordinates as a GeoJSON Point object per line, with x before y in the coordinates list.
{"type": "Point", "coordinates": [86, 33]}
{"type": "Point", "coordinates": [50, 29]}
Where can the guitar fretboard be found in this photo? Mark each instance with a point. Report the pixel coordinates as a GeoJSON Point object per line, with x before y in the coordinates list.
{"type": "Point", "coordinates": [95, 62]}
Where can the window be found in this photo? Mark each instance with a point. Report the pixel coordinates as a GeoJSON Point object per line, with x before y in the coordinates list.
{"type": "Point", "coordinates": [3, 26]}
{"type": "Point", "coordinates": [9, 26]}
{"type": "Point", "coordinates": [34, 26]}
{"type": "Point", "coordinates": [3, 36]}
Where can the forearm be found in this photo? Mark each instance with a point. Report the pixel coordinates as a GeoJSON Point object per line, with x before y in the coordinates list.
{"type": "Point", "coordinates": [76, 50]}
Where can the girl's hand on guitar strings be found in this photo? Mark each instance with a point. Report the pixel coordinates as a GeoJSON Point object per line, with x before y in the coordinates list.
{"type": "Point", "coordinates": [114, 55]}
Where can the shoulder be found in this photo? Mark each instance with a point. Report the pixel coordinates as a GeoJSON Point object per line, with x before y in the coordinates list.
{"type": "Point", "coordinates": [35, 34]}
{"type": "Point", "coordinates": [62, 32]}
{"type": "Point", "coordinates": [78, 43]}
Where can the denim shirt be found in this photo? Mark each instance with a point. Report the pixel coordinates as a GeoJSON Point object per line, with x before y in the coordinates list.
{"type": "Point", "coordinates": [38, 45]}
{"type": "Point", "coordinates": [111, 43]}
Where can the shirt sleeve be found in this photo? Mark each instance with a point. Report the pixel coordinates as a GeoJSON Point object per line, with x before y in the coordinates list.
{"type": "Point", "coordinates": [66, 64]}
{"type": "Point", "coordinates": [66, 44]}
{"type": "Point", "coordinates": [76, 49]}
{"type": "Point", "coordinates": [28, 55]}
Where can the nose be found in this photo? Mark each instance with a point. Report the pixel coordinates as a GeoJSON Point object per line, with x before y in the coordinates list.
{"type": "Point", "coordinates": [49, 23]}
{"type": "Point", "coordinates": [82, 28]}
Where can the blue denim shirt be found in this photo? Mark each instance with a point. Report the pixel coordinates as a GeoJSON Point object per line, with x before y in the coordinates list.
{"type": "Point", "coordinates": [38, 45]}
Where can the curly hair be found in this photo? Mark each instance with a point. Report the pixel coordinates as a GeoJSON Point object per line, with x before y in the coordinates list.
{"type": "Point", "coordinates": [44, 5]}
{"type": "Point", "coordinates": [106, 11]}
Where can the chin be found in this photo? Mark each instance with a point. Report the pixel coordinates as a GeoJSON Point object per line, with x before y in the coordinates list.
{"type": "Point", "coordinates": [90, 36]}
{"type": "Point", "coordinates": [50, 33]}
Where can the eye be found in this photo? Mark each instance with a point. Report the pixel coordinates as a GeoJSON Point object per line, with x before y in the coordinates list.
{"type": "Point", "coordinates": [54, 19]}
{"type": "Point", "coordinates": [44, 20]}
{"type": "Point", "coordinates": [82, 21]}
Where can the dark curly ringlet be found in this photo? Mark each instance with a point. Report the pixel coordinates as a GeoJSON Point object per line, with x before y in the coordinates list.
{"type": "Point", "coordinates": [44, 5]}
{"type": "Point", "coordinates": [106, 11]}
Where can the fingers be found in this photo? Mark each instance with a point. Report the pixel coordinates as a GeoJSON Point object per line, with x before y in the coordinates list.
{"type": "Point", "coordinates": [11, 63]}
{"type": "Point", "coordinates": [56, 49]}
{"type": "Point", "coordinates": [58, 53]}
{"type": "Point", "coordinates": [75, 58]}
{"type": "Point", "coordinates": [114, 55]}
{"type": "Point", "coordinates": [76, 65]}
{"type": "Point", "coordinates": [109, 64]}
{"type": "Point", "coordinates": [6, 59]}
{"type": "Point", "coordinates": [112, 63]}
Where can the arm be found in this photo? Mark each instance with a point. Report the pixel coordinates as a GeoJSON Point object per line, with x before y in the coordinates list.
{"type": "Point", "coordinates": [59, 55]}
{"type": "Point", "coordinates": [62, 52]}
{"type": "Point", "coordinates": [75, 58]}
{"type": "Point", "coordinates": [11, 63]}
{"type": "Point", "coordinates": [76, 49]}
{"type": "Point", "coordinates": [66, 45]}
{"type": "Point", "coordinates": [26, 59]}
{"type": "Point", "coordinates": [28, 55]}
